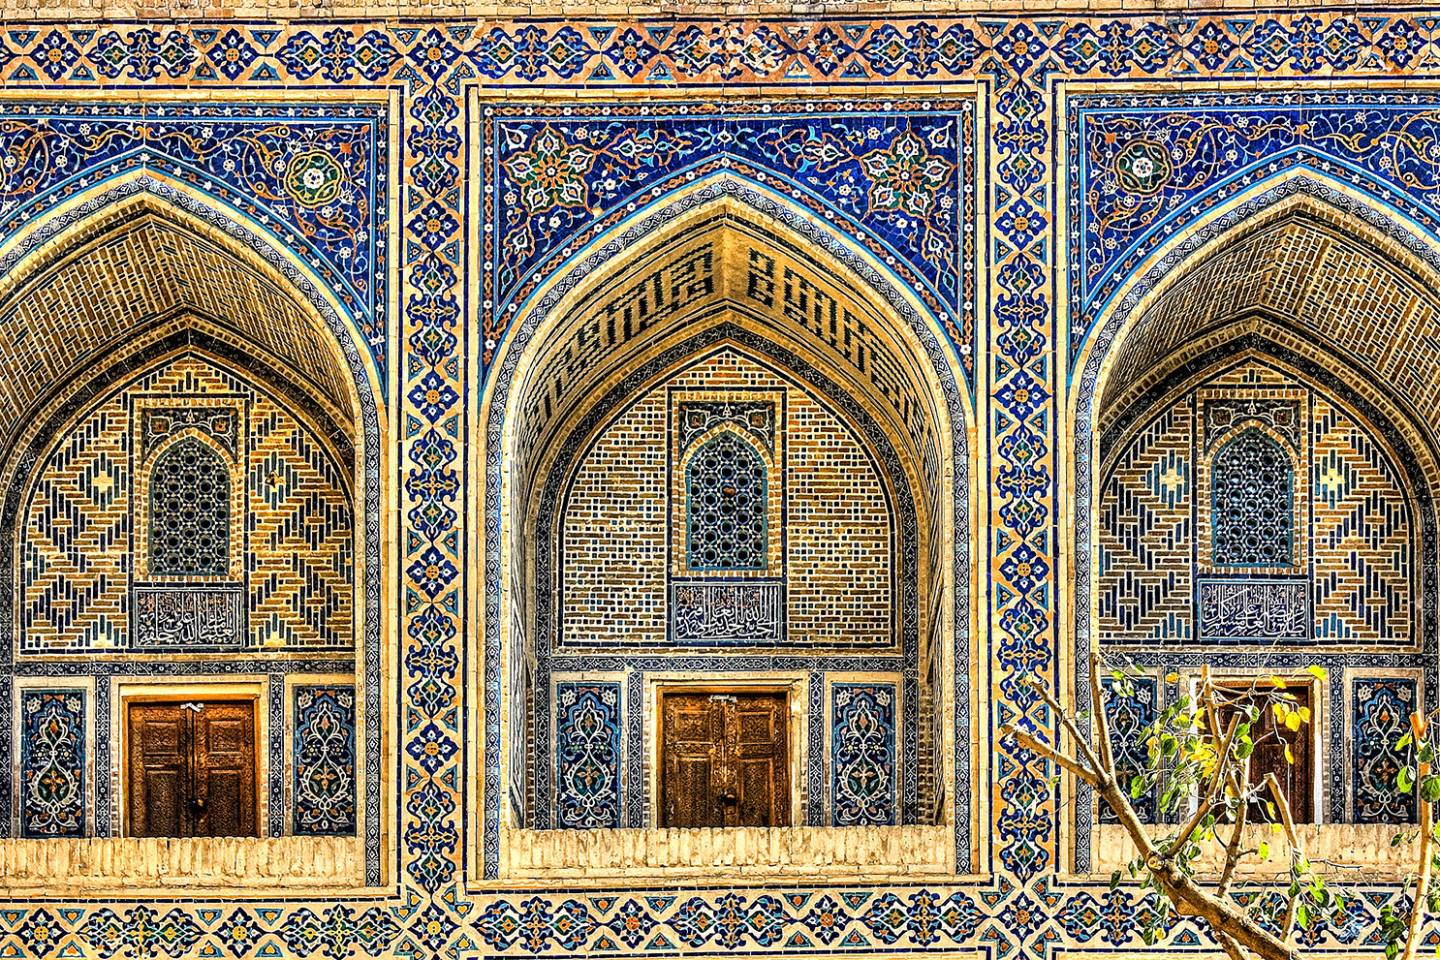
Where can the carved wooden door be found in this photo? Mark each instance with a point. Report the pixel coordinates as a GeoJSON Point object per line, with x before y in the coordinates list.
{"type": "Point", "coordinates": [725, 760]}
{"type": "Point", "coordinates": [192, 769]}
{"type": "Point", "coordinates": [1271, 738]}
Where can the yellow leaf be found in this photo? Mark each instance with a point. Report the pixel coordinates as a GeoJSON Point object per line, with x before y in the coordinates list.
{"type": "Point", "coordinates": [1319, 673]}
{"type": "Point", "coordinates": [1277, 682]}
{"type": "Point", "coordinates": [1292, 722]}
{"type": "Point", "coordinates": [1281, 712]}
{"type": "Point", "coordinates": [1172, 677]}
{"type": "Point", "coordinates": [1289, 757]}
{"type": "Point", "coordinates": [1304, 714]}
{"type": "Point", "coordinates": [1264, 850]}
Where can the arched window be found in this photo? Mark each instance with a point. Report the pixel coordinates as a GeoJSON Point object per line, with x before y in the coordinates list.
{"type": "Point", "coordinates": [1252, 503]}
{"type": "Point", "coordinates": [725, 494]}
{"type": "Point", "coordinates": [189, 512]}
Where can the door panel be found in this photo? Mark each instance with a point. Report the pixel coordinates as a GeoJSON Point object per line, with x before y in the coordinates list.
{"type": "Point", "coordinates": [724, 760]}
{"type": "Point", "coordinates": [1271, 739]}
{"type": "Point", "coordinates": [191, 769]}
{"type": "Point", "coordinates": [157, 770]}
{"type": "Point", "coordinates": [225, 770]}
{"type": "Point", "coordinates": [690, 755]}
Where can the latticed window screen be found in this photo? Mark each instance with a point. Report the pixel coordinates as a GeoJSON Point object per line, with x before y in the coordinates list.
{"type": "Point", "coordinates": [189, 512]}
{"type": "Point", "coordinates": [725, 491]}
{"type": "Point", "coordinates": [1252, 505]}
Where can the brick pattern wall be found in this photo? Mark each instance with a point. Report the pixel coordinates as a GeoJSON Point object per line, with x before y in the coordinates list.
{"type": "Point", "coordinates": [83, 526]}
{"type": "Point", "coordinates": [1362, 523]}
{"type": "Point", "coordinates": [1147, 533]}
{"type": "Point", "coordinates": [1354, 525]}
{"type": "Point", "coordinates": [838, 532]}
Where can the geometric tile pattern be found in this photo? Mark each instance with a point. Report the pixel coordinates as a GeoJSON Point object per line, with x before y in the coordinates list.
{"type": "Point", "coordinates": [1344, 549]}
{"type": "Point", "coordinates": [52, 763]}
{"type": "Point", "coordinates": [1145, 566]}
{"type": "Point", "coordinates": [1362, 517]}
{"type": "Point", "coordinates": [297, 521]}
{"type": "Point", "coordinates": [428, 63]}
{"type": "Point", "coordinates": [862, 754]}
{"type": "Point", "coordinates": [324, 790]}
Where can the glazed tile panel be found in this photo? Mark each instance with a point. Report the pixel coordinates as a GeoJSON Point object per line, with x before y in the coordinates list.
{"type": "Point", "coordinates": [1351, 131]}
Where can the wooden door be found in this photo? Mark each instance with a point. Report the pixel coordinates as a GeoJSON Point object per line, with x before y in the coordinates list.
{"type": "Point", "coordinates": [1271, 738]}
{"type": "Point", "coordinates": [725, 760]}
{"type": "Point", "coordinates": [192, 769]}
{"type": "Point", "coordinates": [159, 770]}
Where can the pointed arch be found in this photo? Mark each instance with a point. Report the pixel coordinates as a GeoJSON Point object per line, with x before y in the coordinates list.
{"type": "Point", "coordinates": [1304, 269]}
{"type": "Point", "coordinates": [722, 250]}
{"type": "Point", "coordinates": [140, 267]}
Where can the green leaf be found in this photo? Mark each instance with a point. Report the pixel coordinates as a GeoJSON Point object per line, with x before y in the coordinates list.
{"type": "Point", "coordinates": [1404, 780]}
{"type": "Point", "coordinates": [1264, 850]}
{"type": "Point", "coordinates": [1115, 880]}
{"type": "Point", "coordinates": [1430, 788]}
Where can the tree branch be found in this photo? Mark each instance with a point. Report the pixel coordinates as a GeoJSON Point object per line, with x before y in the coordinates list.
{"type": "Point", "coordinates": [1102, 722]}
{"type": "Point", "coordinates": [1223, 916]}
{"type": "Point", "coordinates": [1282, 806]}
{"type": "Point", "coordinates": [1427, 837]}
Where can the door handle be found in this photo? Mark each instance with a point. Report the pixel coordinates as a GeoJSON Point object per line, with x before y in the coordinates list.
{"type": "Point", "coordinates": [729, 796]}
{"type": "Point", "coordinates": [197, 807]}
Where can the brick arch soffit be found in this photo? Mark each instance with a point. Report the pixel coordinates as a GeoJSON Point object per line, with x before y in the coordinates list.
{"type": "Point", "coordinates": [48, 240]}
{"type": "Point", "coordinates": [741, 180]}
{"type": "Point", "coordinates": [782, 215]}
{"type": "Point", "coordinates": [1360, 218]}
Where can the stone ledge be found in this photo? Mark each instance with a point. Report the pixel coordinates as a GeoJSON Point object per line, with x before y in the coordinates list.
{"type": "Point", "coordinates": [1346, 850]}
{"type": "Point", "coordinates": [132, 865]}
{"type": "Point", "coordinates": [697, 852]}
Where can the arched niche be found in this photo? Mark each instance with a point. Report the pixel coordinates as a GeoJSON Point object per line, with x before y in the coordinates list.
{"type": "Point", "coordinates": [724, 267]}
{"type": "Point", "coordinates": [152, 316]}
{"type": "Point", "coordinates": [1296, 313]}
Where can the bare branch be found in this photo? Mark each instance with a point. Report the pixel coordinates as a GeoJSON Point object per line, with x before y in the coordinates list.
{"type": "Point", "coordinates": [1232, 849]}
{"type": "Point", "coordinates": [1082, 744]}
{"type": "Point", "coordinates": [1102, 722]}
{"type": "Point", "coordinates": [1034, 744]}
{"type": "Point", "coordinates": [1282, 806]}
{"type": "Point", "coordinates": [1232, 949]}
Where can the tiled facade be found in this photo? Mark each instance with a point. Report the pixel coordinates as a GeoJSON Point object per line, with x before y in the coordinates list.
{"type": "Point", "coordinates": [1322, 552]}
{"type": "Point", "coordinates": [1007, 250]}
